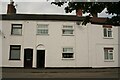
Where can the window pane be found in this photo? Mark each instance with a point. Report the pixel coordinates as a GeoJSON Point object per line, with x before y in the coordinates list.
{"type": "Point", "coordinates": [16, 29]}
{"type": "Point", "coordinates": [42, 26]}
{"type": "Point", "coordinates": [110, 56]}
{"type": "Point", "coordinates": [67, 31]}
{"type": "Point", "coordinates": [68, 27]}
{"type": "Point", "coordinates": [68, 50]}
{"type": "Point", "coordinates": [106, 54]}
{"type": "Point", "coordinates": [42, 29]}
{"type": "Point", "coordinates": [15, 48]}
{"type": "Point", "coordinates": [17, 25]}
{"type": "Point", "coordinates": [67, 55]}
{"type": "Point", "coordinates": [15, 52]}
{"type": "Point", "coordinates": [109, 33]}
{"type": "Point", "coordinates": [105, 32]}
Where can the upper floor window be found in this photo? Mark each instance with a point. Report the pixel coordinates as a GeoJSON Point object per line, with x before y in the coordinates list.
{"type": "Point", "coordinates": [108, 54]}
{"type": "Point", "coordinates": [67, 30]}
{"type": "Point", "coordinates": [67, 53]}
{"type": "Point", "coordinates": [15, 52]}
{"type": "Point", "coordinates": [107, 31]}
{"type": "Point", "coordinates": [42, 29]}
{"type": "Point", "coordinates": [16, 29]}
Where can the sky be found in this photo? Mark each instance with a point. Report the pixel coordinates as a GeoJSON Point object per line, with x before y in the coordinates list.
{"type": "Point", "coordinates": [40, 7]}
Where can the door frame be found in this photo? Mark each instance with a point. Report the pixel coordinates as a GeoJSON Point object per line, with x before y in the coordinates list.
{"type": "Point", "coordinates": [25, 57]}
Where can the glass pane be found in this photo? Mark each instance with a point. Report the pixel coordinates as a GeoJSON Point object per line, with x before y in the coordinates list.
{"type": "Point", "coordinates": [105, 54]}
{"type": "Point", "coordinates": [15, 54]}
{"type": "Point", "coordinates": [67, 55]}
{"type": "Point", "coordinates": [15, 47]}
{"type": "Point", "coordinates": [67, 49]}
{"type": "Point", "coordinates": [42, 29]}
{"type": "Point", "coordinates": [42, 26]}
{"type": "Point", "coordinates": [67, 31]}
{"type": "Point", "coordinates": [17, 26]}
{"type": "Point", "coordinates": [68, 27]}
{"type": "Point", "coordinates": [110, 56]}
{"type": "Point", "coordinates": [17, 31]}
{"type": "Point", "coordinates": [109, 33]}
{"type": "Point", "coordinates": [105, 32]}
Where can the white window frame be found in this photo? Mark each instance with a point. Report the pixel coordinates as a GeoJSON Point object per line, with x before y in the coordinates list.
{"type": "Point", "coordinates": [69, 52]}
{"type": "Point", "coordinates": [108, 53]}
{"type": "Point", "coordinates": [42, 28]}
{"type": "Point", "coordinates": [107, 32]}
{"type": "Point", "coordinates": [67, 27]}
{"type": "Point", "coordinates": [16, 26]}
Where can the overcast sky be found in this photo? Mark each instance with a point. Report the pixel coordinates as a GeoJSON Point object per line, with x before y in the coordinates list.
{"type": "Point", "coordinates": [40, 7]}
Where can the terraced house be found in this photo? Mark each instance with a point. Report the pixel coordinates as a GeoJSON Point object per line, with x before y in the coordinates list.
{"type": "Point", "coordinates": [57, 41]}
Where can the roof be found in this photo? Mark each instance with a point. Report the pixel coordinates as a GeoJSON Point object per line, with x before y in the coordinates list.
{"type": "Point", "coordinates": [41, 17]}
{"type": "Point", "coordinates": [100, 21]}
{"type": "Point", "coordinates": [95, 20]}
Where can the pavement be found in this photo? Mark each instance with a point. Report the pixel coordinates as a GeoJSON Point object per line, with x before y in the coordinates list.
{"type": "Point", "coordinates": [111, 73]}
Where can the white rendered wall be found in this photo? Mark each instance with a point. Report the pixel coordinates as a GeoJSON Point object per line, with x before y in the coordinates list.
{"type": "Point", "coordinates": [0, 44]}
{"type": "Point", "coordinates": [97, 43]}
{"type": "Point", "coordinates": [81, 37]}
{"type": "Point", "coordinates": [119, 46]}
{"type": "Point", "coordinates": [11, 40]}
{"type": "Point", "coordinates": [88, 44]}
{"type": "Point", "coordinates": [54, 43]}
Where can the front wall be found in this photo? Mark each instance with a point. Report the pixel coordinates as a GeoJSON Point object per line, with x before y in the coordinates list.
{"type": "Point", "coordinates": [96, 44]}
{"type": "Point", "coordinates": [100, 62]}
{"type": "Point", "coordinates": [10, 40]}
{"type": "Point", "coordinates": [87, 43]}
{"type": "Point", "coordinates": [119, 45]}
{"type": "Point", "coordinates": [0, 44]}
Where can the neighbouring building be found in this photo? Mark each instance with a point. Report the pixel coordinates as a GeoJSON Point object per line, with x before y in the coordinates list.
{"type": "Point", "coordinates": [0, 44]}
{"type": "Point", "coordinates": [57, 41]}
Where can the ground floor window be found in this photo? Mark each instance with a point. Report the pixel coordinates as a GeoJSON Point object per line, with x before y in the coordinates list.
{"type": "Point", "coordinates": [15, 52]}
{"type": "Point", "coordinates": [67, 53]}
{"type": "Point", "coordinates": [108, 53]}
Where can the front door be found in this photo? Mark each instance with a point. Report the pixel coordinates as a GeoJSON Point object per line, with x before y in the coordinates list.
{"type": "Point", "coordinates": [28, 58]}
{"type": "Point", "coordinates": [40, 58]}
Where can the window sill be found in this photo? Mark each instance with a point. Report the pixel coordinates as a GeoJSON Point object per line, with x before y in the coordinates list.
{"type": "Point", "coordinates": [107, 37]}
{"type": "Point", "coordinates": [68, 58]}
{"type": "Point", "coordinates": [67, 34]}
{"type": "Point", "coordinates": [15, 35]}
{"type": "Point", "coordinates": [42, 34]}
{"type": "Point", "coordinates": [108, 60]}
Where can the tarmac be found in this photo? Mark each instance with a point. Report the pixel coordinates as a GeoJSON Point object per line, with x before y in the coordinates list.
{"type": "Point", "coordinates": [107, 73]}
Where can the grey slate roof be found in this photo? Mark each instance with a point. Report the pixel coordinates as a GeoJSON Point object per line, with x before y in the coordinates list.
{"type": "Point", "coordinates": [100, 21]}
{"type": "Point", "coordinates": [41, 17]}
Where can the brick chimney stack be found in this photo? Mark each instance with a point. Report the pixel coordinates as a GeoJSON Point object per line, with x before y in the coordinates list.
{"type": "Point", "coordinates": [79, 12]}
{"type": "Point", "coordinates": [11, 8]}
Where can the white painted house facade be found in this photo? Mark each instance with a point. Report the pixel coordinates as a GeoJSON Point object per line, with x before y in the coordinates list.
{"type": "Point", "coordinates": [1, 43]}
{"type": "Point", "coordinates": [57, 41]}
